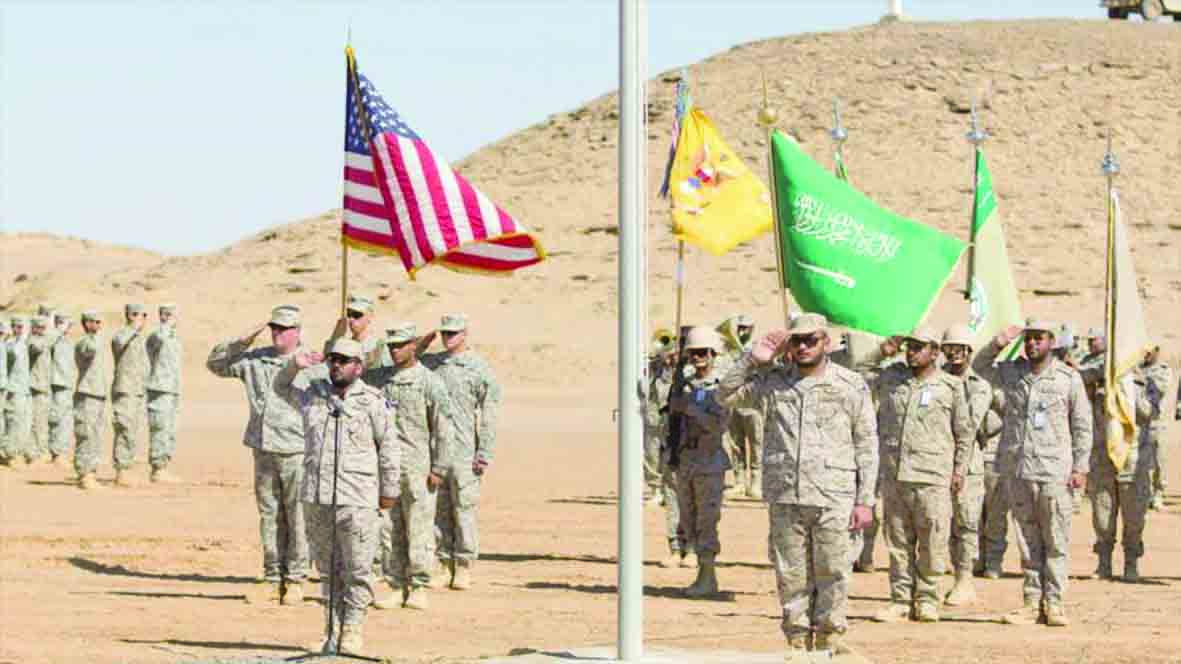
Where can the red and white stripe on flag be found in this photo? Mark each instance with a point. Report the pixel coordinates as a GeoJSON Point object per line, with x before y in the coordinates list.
{"type": "Point", "coordinates": [405, 200]}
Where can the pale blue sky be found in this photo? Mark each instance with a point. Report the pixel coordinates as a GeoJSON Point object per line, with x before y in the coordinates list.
{"type": "Point", "coordinates": [182, 127]}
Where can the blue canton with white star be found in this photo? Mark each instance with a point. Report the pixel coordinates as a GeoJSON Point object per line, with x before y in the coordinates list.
{"type": "Point", "coordinates": [381, 117]}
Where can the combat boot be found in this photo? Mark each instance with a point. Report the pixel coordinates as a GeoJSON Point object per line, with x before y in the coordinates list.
{"type": "Point", "coordinates": [162, 476]}
{"type": "Point", "coordinates": [1103, 571]}
{"type": "Point", "coordinates": [89, 482]}
{"type": "Point", "coordinates": [417, 599]}
{"type": "Point", "coordinates": [963, 592]}
{"type": "Point", "coordinates": [927, 613]}
{"type": "Point", "coordinates": [352, 641]}
{"type": "Point", "coordinates": [1056, 615]}
{"type": "Point", "coordinates": [292, 594]}
{"type": "Point", "coordinates": [17, 463]}
{"type": "Point", "coordinates": [387, 596]}
{"type": "Point", "coordinates": [892, 613]}
{"type": "Point", "coordinates": [706, 584]}
{"type": "Point", "coordinates": [462, 580]}
{"type": "Point", "coordinates": [755, 490]}
{"type": "Point", "coordinates": [262, 592]}
{"type": "Point", "coordinates": [674, 556]}
{"type": "Point", "coordinates": [733, 492]}
{"type": "Point", "coordinates": [124, 479]}
{"type": "Point", "coordinates": [797, 650]}
{"type": "Point", "coordinates": [992, 570]}
{"type": "Point", "coordinates": [1157, 502]}
{"type": "Point", "coordinates": [1026, 615]}
{"type": "Point", "coordinates": [1131, 569]}
{"type": "Point", "coordinates": [689, 559]}
{"type": "Point", "coordinates": [60, 460]}
{"type": "Point", "coordinates": [833, 642]}
{"type": "Point", "coordinates": [441, 574]}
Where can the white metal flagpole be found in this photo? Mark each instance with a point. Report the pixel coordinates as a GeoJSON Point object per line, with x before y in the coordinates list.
{"type": "Point", "coordinates": [633, 137]}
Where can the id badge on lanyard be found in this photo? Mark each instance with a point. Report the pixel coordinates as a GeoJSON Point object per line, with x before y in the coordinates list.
{"type": "Point", "coordinates": [925, 397]}
{"type": "Point", "coordinates": [1039, 415]}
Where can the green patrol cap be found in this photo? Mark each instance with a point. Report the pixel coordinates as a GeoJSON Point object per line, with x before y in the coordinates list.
{"type": "Point", "coordinates": [346, 347]}
{"type": "Point", "coordinates": [135, 308]}
{"type": "Point", "coordinates": [361, 303]}
{"type": "Point", "coordinates": [62, 317]}
{"type": "Point", "coordinates": [400, 333]}
{"type": "Point", "coordinates": [453, 323]}
{"type": "Point", "coordinates": [40, 321]}
{"type": "Point", "coordinates": [285, 315]}
{"type": "Point", "coordinates": [91, 315]}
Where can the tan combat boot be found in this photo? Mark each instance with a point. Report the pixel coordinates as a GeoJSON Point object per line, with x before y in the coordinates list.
{"type": "Point", "coordinates": [163, 476]}
{"type": "Point", "coordinates": [892, 613]}
{"type": "Point", "coordinates": [89, 482]}
{"type": "Point", "coordinates": [1026, 615]}
{"type": "Point", "coordinates": [1056, 615]}
{"type": "Point", "coordinates": [992, 570]}
{"type": "Point", "coordinates": [833, 642]}
{"type": "Point", "coordinates": [60, 460]}
{"type": "Point", "coordinates": [292, 593]}
{"type": "Point", "coordinates": [124, 479]}
{"type": "Point", "coordinates": [352, 641]}
{"type": "Point", "coordinates": [963, 593]}
{"type": "Point", "coordinates": [733, 492]}
{"type": "Point", "coordinates": [927, 612]}
{"type": "Point", "coordinates": [262, 592]}
{"type": "Point", "coordinates": [417, 599]}
{"type": "Point", "coordinates": [797, 650]}
{"type": "Point", "coordinates": [706, 584]}
{"type": "Point", "coordinates": [689, 560]}
{"type": "Point", "coordinates": [755, 490]}
{"type": "Point", "coordinates": [441, 574]}
{"type": "Point", "coordinates": [674, 556]}
{"type": "Point", "coordinates": [463, 576]}
{"type": "Point", "coordinates": [388, 595]}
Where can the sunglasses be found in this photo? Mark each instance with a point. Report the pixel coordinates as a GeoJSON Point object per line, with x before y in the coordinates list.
{"type": "Point", "coordinates": [356, 314]}
{"type": "Point", "coordinates": [448, 333]}
{"type": "Point", "coordinates": [279, 329]}
{"type": "Point", "coordinates": [954, 349]}
{"type": "Point", "coordinates": [799, 341]}
{"type": "Point", "coordinates": [698, 352]}
{"type": "Point", "coordinates": [396, 345]}
{"type": "Point", "coordinates": [341, 359]}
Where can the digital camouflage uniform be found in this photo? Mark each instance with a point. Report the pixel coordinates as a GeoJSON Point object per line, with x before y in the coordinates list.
{"type": "Point", "coordinates": [702, 463]}
{"type": "Point", "coordinates": [1046, 437]}
{"type": "Point", "coordinates": [90, 402]}
{"type": "Point", "coordinates": [275, 434]}
{"type": "Point", "coordinates": [820, 458]}
{"type": "Point", "coordinates": [367, 469]}
{"type": "Point", "coordinates": [925, 432]}
{"type": "Point", "coordinates": [655, 433]}
{"type": "Point", "coordinates": [63, 378]}
{"type": "Point", "coordinates": [1157, 379]}
{"type": "Point", "coordinates": [40, 375]}
{"type": "Point", "coordinates": [994, 518]}
{"type": "Point", "coordinates": [475, 404]}
{"type": "Point", "coordinates": [968, 504]}
{"type": "Point", "coordinates": [421, 411]}
{"type": "Point", "coordinates": [3, 389]}
{"type": "Point", "coordinates": [163, 391]}
{"type": "Point", "coordinates": [127, 393]}
{"type": "Point", "coordinates": [18, 416]}
{"type": "Point", "coordinates": [744, 431]}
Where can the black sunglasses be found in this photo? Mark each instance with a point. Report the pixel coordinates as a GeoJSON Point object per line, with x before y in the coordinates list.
{"type": "Point", "coordinates": [278, 328]}
{"type": "Point", "coordinates": [698, 352]}
{"type": "Point", "coordinates": [809, 340]}
{"type": "Point", "coordinates": [356, 314]}
{"type": "Point", "coordinates": [448, 333]}
{"type": "Point", "coordinates": [341, 359]}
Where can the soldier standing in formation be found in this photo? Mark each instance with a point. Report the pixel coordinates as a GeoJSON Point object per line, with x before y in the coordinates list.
{"type": "Point", "coordinates": [653, 441]}
{"type": "Point", "coordinates": [1157, 379]}
{"type": "Point", "coordinates": [40, 373]}
{"type": "Point", "coordinates": [63, 376]}
{"type": "Point", "coordinates": [661, 369]}
{"type": "Point", "coordinates": [163, 392]}
{"type": "Point", "coordinates": [821, 460]}
{"type": "Point", "coordinates": [18, 409]}
{"type": "Point", "coordinates": [4, 459]}
{"type": "Point", "coordinates": [926, 435]}
{"type": "Point", "coordinates": [421, 425]}
{"type": "Point", "coordinates": [701, 461]}
{"type": "Point", "coordinates": [358, 325]}
{"type": "Point", "coordinates": [90, 400]}
{"type": "Point", "coordinates": [475, 404]}
{"type": "Point", "coordinates": [352, 473]}
{"type": "Point", "coordinates": [1047, 428]}
{"type": "Point", "coordinates": [275, 435]}
{"type": "Point", "coordinates": [127, 390]}
{"type": "Point", "coordinates": [745, 428]}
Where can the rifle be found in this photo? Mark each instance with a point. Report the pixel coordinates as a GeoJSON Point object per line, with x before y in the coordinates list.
{"type": "Point", "coordinates": [676, 421]}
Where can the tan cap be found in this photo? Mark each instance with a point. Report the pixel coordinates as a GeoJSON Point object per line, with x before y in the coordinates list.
{"type": "Point", "coordinates": [135, 308]}
{"type": "Point", "coordinates": [62, 317]}
{"type": "Point", "coordinates": [361, 303]}
{"type": "Point", "coordinates": [91, 315]}
{"type": "Point", "coordinates": [400, 333]}
{"type": "Point", "coordinates": [41, 321]}
{"type": "Point", "coordinates": [808, 324]}
{"type": "Point", "coordinates": [743, 320]}
{"type": "Point", "coordinates": [923, 335]}
{"type": "Point", "coordinates": [1096, 332]}
{"type": "Point", "coordinates": [169, 308]}
{"type": "Point", "coordinates": [285, 315]}
{"type": "Point", "coordinates": [453, 323]}
{"type": "Point", "coordinates": [1040, 325]}
{"type": "Point", "coordinates": [346, 347]}
{"type": "Point", "coordinates": [703, 337]}
{"type": "Point", "coordinates": [959, 334]}
{"type": "Point", "coordinates": [23, 321]}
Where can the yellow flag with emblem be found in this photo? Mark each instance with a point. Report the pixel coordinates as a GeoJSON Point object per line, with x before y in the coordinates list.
{"type": "Point", "coordinates": [717, 203]}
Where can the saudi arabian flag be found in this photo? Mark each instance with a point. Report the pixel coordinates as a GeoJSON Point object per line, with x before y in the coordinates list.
{"type": "Point", "coordinates": [861, 266]}
{"type": "Point", "coordinates": [991, 291]}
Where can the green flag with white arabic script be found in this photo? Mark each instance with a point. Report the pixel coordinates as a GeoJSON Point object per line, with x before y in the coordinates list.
{"type": "Point", "coordinates": [993, 294]}
{"type": "Point", "coordinates": [861, 266]}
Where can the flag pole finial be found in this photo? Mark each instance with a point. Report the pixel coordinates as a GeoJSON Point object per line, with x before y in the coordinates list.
{"type": "Point", "coordinates": [977, 135]}
{"type": "Point", "coordinates": [1110, 164]}
{"type": "Point", "coordinates": [838, 133]}
{"type": "Point", "coordinates": [768, 117]}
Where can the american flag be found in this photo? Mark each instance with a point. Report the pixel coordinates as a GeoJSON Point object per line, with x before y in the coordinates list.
{"type": "Point", "coordinates": [399, 197]}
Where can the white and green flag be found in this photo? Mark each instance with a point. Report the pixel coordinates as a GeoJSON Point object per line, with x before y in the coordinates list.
{"type": "Point", "coordinates": [991, 290]}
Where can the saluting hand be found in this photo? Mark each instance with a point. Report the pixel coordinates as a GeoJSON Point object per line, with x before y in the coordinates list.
{"type": "Point", "coordinates": [308, 358]}
{"type": "Point", "coordinates": [1008, 334]}
{"type": "Point", "coordinates": [768, 345]}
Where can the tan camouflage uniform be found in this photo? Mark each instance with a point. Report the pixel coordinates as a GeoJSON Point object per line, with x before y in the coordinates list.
{"type": "Point", "coordinates": [702, 464]}
{"type": "Point", "coordinates": [127, 390]}
{"type": "Point", "coordinates": [63, 377]}
{"type": "Point", "coordinates": [968, 504]}
{"type": "Point", "coordinates": [655, 432]}
{"type": "Point", "coordinates": [90, 400]}
{"type": "Point", "coordinates": [163, 387]}
{"type": "Point", "coordinates": [1046, 437]}
{"type": "Point", "coordinates": [3, 388]}
{"type": "Point", "coordinates": [40, 375]}
{"type": "Point", "coordinates": [18, 409]}
{"type": "Point", "coordinates": [994, 519]}
{"type": "Point", "coordinates": [820, 458]}
{"type": "Point", "coordinates": [1158, 377]}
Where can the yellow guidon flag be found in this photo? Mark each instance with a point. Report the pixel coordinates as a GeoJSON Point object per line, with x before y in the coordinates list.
{"type": "Point", "coordinates": [1127, 336]}
{"type": "Point", "coordinates": [717, 203]}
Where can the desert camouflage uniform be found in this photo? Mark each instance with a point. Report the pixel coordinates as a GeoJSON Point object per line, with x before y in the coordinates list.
{"type": "Point", "coordinates": [1158, 377]}
{"type": "Point", "coordinates": [40, 375]}
{"type": "Point", "coordinates": [1046, 437]}
{"type": "Point", "coordinates": [925, 429]}
{"type": "Point", "coordinates": [702, 466]}
{"type": "Point", "coordinates": [1090, 364]}
{"type": "Point", "coordinates": [968, 504]}
{"type": "Point", "coordinates": [368, 470]}
{"type": "Point", "coordinates": [994, 519]}
{"type": "Point", "coordinates": [18, 409]}
{"type": "Point", "coordinates": [90, 402]}
{"type": "Point", "coordinates": [820, 458]}
{"type": "Point", "coordinates": [127, 393]}
{"type": "Point", "coordinates": [163, 387]}
{"type": "Point", "coordinates": [421, 411]}
{"type": "Point", "coordinates": [3, 388]}
{"type": "Point", "coordinates": [655, 433]}
{"type": "Point", "coordinates": [275, 434]}
{"type": "Point", "coordinates": [63, 377]}
{"type": "Point", "coordinates": [475, 404]}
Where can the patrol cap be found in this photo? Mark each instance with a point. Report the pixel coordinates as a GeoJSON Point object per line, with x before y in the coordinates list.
{"type": "Point", "coordinates": [453, 323]}
{"type": "Point", "coordinates": [285, 315]}
{"type": "Point", "coordinates": [346, 347]}
{"type": "Point", "coordinates": [1063, 340]}
{"type": "Point", "coordinates": [1096, 333]}
{"type": "Point", "coordinates": [135, 309]}
{"type": "Point", "coordinates": [169, 308]}
{"type": "Point", "coordinates": [19, 320]}
{"type": "Point", "coordinates": [91, 315]}
{"type": "Point", "coordinates": [959, 334]}
{"type": "Point", "coordinates": [400, 333]}
{"type": "Point", "coordinates": [808, 324]}
{"type": "Point", "coordinates": [703, 337]}
{"type": "Point", "coordinates": [743, 320]}
{"type": "Point", "coordinates": [360, 303]}
{"type": "Point", "coordinates": [40, 321]}
{"type": "Point", "coordinates": [62, 317]}
{"type": "Point", "coordinates": [923, 335]}
{"type": "Point", "coordinates": [1040, 325]}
